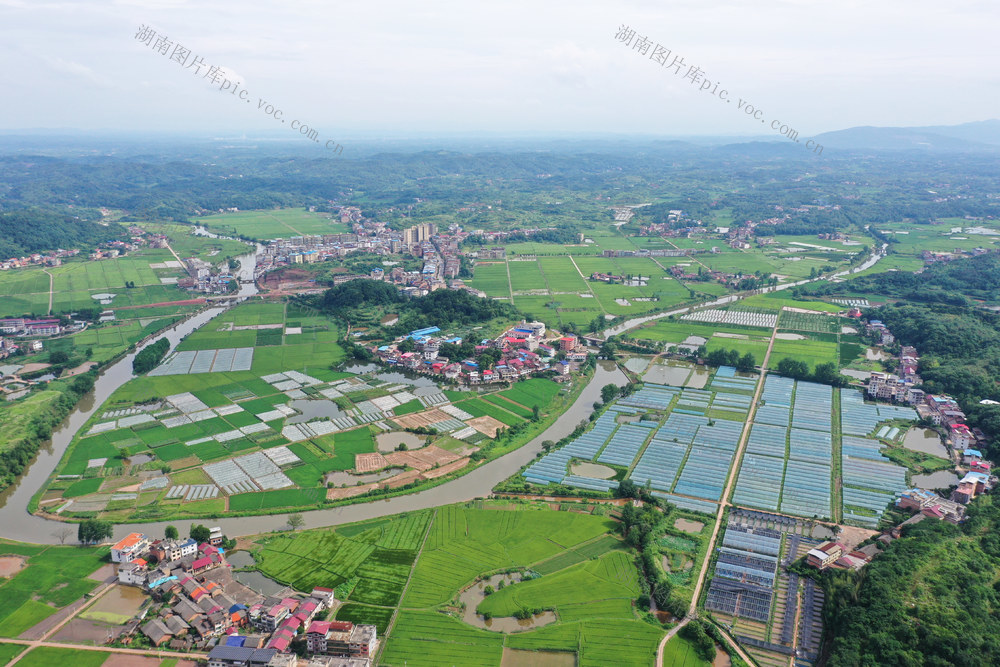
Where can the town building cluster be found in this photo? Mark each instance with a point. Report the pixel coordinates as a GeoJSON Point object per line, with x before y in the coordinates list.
{"type": "Point", "coordinates": [199, 609]}
{"type": "Point", "coordinates": [53, 258]}
{"type": "Point", "coordinates": [524, 350]}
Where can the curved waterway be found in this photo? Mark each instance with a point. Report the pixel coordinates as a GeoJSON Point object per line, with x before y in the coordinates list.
{"type": "Point", "coordinates": [17, 524]}
{"type": "Point", "coordinates": [732, 298]}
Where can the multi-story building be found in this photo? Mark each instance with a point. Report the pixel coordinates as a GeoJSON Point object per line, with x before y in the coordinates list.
{"type": "Point", "coordinates": [129, 548]}
{"type": "Point", "coordinates": [341, 638]}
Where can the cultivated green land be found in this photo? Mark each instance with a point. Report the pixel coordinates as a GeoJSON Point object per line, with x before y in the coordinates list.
{"type": "Point", "coordinates": [272, 224]}
{"type": "Point", "coordinates": [52, 578]}
{"type": "Point", "coordinates": [404, 573]}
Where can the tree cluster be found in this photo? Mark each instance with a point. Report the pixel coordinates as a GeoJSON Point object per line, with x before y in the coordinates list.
{"type": "Point", "coordinates": [151, 355]}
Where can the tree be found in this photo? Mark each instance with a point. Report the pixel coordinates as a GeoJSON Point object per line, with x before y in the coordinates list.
{"type": "Point", "coordinates": [63, 534]}
{"type": "Point", "coordinates": [535, 413]}
{"type": "Point", "coordinates": [746, 363]}
{"type": "Point", "coordinates": [296, 521]}
{"type": "Point", "coordinates": [170, 532]}
{"type": "Point", "coordinates": [608, 392]}
{"type": "Point", "coordinates": [200, 533]}
{"type": "Point", "coordinates": [92, 531]}
{"type": "Point", "coordinates": [58, 357]}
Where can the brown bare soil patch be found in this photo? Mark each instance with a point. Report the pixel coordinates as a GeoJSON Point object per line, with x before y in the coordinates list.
{"type": "Point", "coordinates": [82, 368]}
{"type": "Point", "coordinates": [369, 462]}
{"type": "Point", "coordinates": [11, 565]}
{"type": "Point", "coordinates": [425, 418]}
{"type": "Point", "coordinates": [422, 459]}
{"type": "Point", "coordinates": [486, 425]}
{"type": "Point", "coordinates": [349, 492]}
{"type": "Point", "coordinates": [402, 479]}
{"type": "Point", "coordinates": [445, 469]}
{"type": "Point", "coordinates": [31, 368]}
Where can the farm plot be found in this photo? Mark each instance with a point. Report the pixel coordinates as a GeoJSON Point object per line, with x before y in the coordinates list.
{"type": "Point", "coordinates": [812, 352]}
{"type": "Point", "coordinates": [270, 224]}
{"type": "Point", "coordinates": [464, 543]}
{"type": "Point", "coordinates": [561, 275]}
{"type": "Point", "coordinates": [525, 276]}
{"type": "Point", "coordinates": [53, 578]}
{"type": "Point", "coordinates": [492, 279]}
{"type": "Point", "coordinates": [611, 576]}
{"type": "Point", "coordinates": [747, 318]}
{"type": "Point", "coordinates": [812, 322]}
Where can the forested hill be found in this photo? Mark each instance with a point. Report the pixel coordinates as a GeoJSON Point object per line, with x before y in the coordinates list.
{"type": "Point", "coordinates": [933, 598]}
{"type": "Point", "coordinates": [959, 351]}
{"type": "Point", "coordinates": [34, 230]}
{"type": "Point", "coordinates": [440, 308]}
{"type": "Point", "coordinates": [976, 278]}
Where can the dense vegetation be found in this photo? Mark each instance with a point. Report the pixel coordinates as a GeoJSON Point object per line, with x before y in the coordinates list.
{"type": "Point", "coordinates": [953, 283]}
{"type": "Point", "coordinates": [931, 599]}
{"type": "Point", "coordinates": [17, 455]}
{"type": "Point", "coordinates": [28, 231]}
{"type": "Point", "coordinates": [960, 354]}
{"type": "Point", "coordinates": [147, 358]}
{"type": "Point", "coordinates": [440, 308]}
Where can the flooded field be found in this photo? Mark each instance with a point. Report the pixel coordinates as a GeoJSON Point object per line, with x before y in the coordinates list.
{"type": "Point", "coordinates": [789, 336]}
{"type": "Point", "coordinates": [672, 372]}
{"type": "Point", "coordinates": [388, 442]}
{"type": "Point", "coordinates": [116, 606]}
{"type": "Point", "coordinates": [322, 408]}
{"type": "Point", "coordinates": [592, 470]}
{"type": "Point", "coordinates": [925, 440]}
{"type": "Point", "coordinates": [857, 375]}
{"type": "Point", "coordinates": [936, 480]}
{"type": "Point", "coordinates": [473, 595]}
{"type": "Point", "coordinates": [688, 526]}
{"type": "Point", "coordinates": [339, 478]}
{"type": "Point", "coordinates": [513, 657]}
{"type": "Point", "coordinates": [699, 378]}
{"type": "Point", "coordinates": [637, 364]}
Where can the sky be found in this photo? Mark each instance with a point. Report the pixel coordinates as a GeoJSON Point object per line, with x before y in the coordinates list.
{"type": "Point", "coordinates": [402, 68]}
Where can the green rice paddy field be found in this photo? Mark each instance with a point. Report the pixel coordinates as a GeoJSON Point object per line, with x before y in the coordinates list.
{"type": "Point", "coordinates": [588, 577]}
{"type": "Point", "coordinates": [53, 578]}
{"type": "Point", "coordinates": [272, 224]}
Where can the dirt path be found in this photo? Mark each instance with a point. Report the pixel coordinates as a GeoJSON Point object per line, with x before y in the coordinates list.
{"type": "Point", "coordinates": [406, 587]}
{"type": "Point", "coordinates": [587, 283]}
{"type": "Point", "coordinates": [52, 282]}
{"type": "Point", "coordinates": [271, 215]}
{"type": "Point", "coordinates": [176, 256]}
{"type": "Point", "coordinates": [42, 641]}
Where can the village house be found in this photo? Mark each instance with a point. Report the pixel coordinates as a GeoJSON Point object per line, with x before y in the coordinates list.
{"type": "Point", "coordinates": [129, 548]}
{"type": "Point", "coordinates": [233, 656]}
{"type": "Point", "coordinates": [170, 550]}
{"type": "Point", "coordinates": [825, 555]}
{"type": "Point", "coordinates": [341, 638]}
{"type": "Point", "coordinates": [961, 437]}
{"type": "Point", "coordinates": [930, 504]}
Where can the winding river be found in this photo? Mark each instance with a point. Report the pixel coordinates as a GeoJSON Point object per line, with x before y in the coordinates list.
{"type": "Point", "coordinates": [16, 523]}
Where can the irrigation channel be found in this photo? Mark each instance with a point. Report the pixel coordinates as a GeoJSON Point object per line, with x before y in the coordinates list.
{"type": "Point", "coordinates": [16, 523]}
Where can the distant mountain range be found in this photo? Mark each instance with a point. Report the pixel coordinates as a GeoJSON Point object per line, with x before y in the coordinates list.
{"type": "Point", "coordinates": [979, 136]}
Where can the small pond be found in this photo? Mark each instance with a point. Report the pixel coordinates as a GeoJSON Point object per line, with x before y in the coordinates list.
{"type": "Point", "coordinates": [473, 595]}
{"type": "Point", "coordinates": [925, 440]}
{"type": "Point", "coordinates": [388, 442]}
{"type": "Point", "coordinates": [674, 373]}
{"type": "Point", "coordinates": [322, 408]}
{"type": "Point", "coordinates": [936, 480]}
